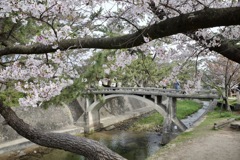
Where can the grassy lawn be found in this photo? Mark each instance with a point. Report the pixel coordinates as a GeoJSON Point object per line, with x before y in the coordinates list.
{"type": "Point", "coordinates": [231, 101]}
{"type": "Point", "coordinates": [148, 123]}
{"type": "Point", "coordinates": [206, 127]}
{"type": "Point", "coordinates": [184, 108]}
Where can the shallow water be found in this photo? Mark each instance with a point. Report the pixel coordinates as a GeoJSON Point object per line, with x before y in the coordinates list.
{"type": "Point", "coordinates": [133, 146]}
{"type": "Point", "coordinates": [190, 120]}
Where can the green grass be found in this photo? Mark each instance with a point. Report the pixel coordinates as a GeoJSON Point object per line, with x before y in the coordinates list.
{"type": "Point", "coordinates": [218, 113]}
{"type": "Point", "coordinates": [155, 118]}
{"type": "Point", "coordinates": [184, 109]}
{"type": "Point", "coordinates": [231, 100]}
{"type": "Point", "coordinates": [206, 127]}
{"type": "Point", "coordinates": [148, 123]}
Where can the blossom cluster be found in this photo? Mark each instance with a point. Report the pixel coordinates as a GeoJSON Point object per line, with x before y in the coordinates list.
{"type": "Point", "coordinates": [37, 79]}
{"type": "Point", "coordinates": [42, 91]}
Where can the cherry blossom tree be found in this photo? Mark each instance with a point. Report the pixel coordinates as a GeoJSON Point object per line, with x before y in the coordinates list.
{"type": "Point", "coordinates": [43, 42]}
{"type": "Point", "coordinates": [222, 74]}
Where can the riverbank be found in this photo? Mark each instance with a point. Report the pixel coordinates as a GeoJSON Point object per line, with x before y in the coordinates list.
{"type": "Point", "coordinates": [184, 110]}
{"type": "Point", "coordinates": [22, 148]}
{"type": "Point", "coordinates": [152, 121]}
{"type": "Point", "coordinates": [203, 142]}
{"type": "Point", "coordinates": [19, 148]}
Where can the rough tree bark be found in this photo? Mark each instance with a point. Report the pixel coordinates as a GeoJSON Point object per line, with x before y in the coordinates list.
{"type": "Point", "coordinates": [90, 149]}
{"type": "Point", "coordinates": [227, 49]}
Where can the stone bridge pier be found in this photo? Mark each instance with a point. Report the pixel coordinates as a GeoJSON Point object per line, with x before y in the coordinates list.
{"type": "Point", "coordinates": [172, 125]}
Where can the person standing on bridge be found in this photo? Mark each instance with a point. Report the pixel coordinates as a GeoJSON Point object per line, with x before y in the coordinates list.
{"type": "Point", "coordinates": [177, 85]}
{"type": "Point", "coordinates": [164, 84]}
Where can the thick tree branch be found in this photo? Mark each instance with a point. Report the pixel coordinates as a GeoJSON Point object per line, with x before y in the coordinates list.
{"type": "Point", "coordinates": [92, 150]}
{"type": "Point", "coordinates": [228, 50]}
{"type": "Point", "coordinates": [181, 24]}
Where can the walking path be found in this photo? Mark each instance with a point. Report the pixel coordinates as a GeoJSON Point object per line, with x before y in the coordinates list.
{"type": "Point", "coordinates": [223, 144]}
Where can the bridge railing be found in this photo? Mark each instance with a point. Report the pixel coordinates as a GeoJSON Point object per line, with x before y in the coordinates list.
{"type": "Point", "coordinates": [210, 91]}
{"type": "Point", "coordinates": [135, 89]}
{"type": "Point", "coordinates": [149, 90]}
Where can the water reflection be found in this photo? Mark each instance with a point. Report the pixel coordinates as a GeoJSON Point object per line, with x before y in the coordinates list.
{"type": "Point", "coordinates": [129, 144]}
{"type": "Point", "coordinates": [133, 146]}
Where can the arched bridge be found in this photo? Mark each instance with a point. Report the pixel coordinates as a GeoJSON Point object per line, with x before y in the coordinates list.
{"type": "Point", "coordinates": [151, 96]}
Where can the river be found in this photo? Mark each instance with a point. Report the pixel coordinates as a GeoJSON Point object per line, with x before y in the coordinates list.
{"type": "Point", "coordinates": [132, 146]}
{"type": "Point", "coordinates": [190, 120]}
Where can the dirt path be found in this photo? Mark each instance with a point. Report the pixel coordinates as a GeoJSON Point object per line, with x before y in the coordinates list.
{"type": "Point", "coordinates": [223, 144]}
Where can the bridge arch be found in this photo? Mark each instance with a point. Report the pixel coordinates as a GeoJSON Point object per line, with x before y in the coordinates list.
{"type": "Point", "coordinates": [92, 117]}
{"type": "Point", "coordinates": [98, 104]}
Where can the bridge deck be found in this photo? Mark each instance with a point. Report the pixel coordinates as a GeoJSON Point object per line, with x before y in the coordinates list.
{"type": "Point", "coordinates": [202, 94]}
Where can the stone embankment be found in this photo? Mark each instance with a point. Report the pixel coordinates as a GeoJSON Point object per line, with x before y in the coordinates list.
{"type": "Point", "coordinates": [22, 143]}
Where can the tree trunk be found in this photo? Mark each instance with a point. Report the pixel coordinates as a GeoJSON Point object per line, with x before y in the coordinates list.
{"type": "Point", "coordinates": [238, 96]}
{"type": "Point", "coordinates": [227, 107]}
{"type": "Point", "coordinates": [90, 149]}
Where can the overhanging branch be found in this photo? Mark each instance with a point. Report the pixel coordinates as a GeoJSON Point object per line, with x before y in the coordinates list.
{"type": "Point", "coordinates": [181, 24]}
